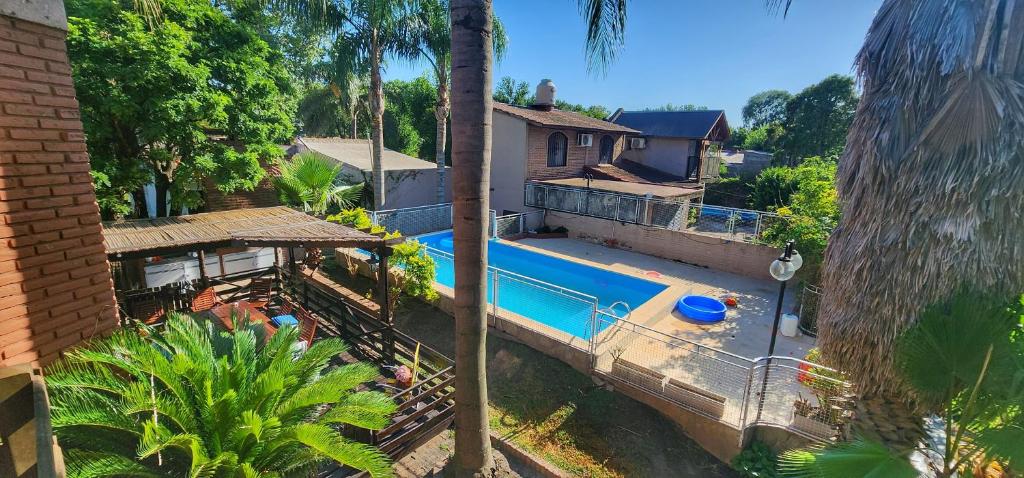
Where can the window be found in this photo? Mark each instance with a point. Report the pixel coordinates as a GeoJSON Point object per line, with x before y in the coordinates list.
{"type": "Point", "coordinates": [558, 145]}
{"type": "Point", "coordinates": [607, 145]}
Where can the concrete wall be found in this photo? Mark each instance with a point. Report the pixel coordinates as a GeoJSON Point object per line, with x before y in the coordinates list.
{"type": "Point", "coordinates": [750, 260]}
{"type": "Point", "coordinates": [55, 284]}
{"type": "Point", "coordinates": [405, 187]}
{"type": "Point", "coordinates": [508, 163]}
{"type": "Point", "coordinates": [665, 154]}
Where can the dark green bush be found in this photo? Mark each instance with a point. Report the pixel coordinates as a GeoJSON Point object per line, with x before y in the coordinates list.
{"type": "Point", "coordinates": [756, 461]}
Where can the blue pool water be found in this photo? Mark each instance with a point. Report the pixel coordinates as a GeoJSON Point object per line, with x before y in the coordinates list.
{"type": "Point", "coordinates": [519, 291]}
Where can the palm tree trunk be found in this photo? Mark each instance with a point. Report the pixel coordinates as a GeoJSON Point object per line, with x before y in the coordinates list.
{"type": "Point", "coordinates": [441, 118]}
{"type": "Point", "coordinates": [471, 164]}
{"type": "Point", "coordinates": [930, 189]}
{"type": "Point", "coordinates": [377, 121]}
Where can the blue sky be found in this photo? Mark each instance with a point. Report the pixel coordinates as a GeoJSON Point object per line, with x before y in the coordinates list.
{"type": "Point", "coordinates": [715, 53]}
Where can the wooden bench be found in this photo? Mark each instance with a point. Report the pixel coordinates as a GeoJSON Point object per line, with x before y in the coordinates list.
{"type": "Point", "coordinates": [675, 390]}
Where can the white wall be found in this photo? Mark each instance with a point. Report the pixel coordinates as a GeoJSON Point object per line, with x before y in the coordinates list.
{"type": "Point", "coordinates": [415, 187]}
{"type": "Point", "coordinates": [665, 154]}
{"type": "Point", "coordinates": [185, 268]}
{"type": "Point", "coordinates": [508, 163]}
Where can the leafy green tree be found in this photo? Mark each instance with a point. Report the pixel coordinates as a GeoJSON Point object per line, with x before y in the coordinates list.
{"type": "Point", "coordinates": [818, 118]}
{"type": "Point", "coordinates": [593, 111]}
{"type": "Point", "coordinates": [409, 122]}
{"type": "Point", "coordinates": [311, 181]}
{"type": "Point", "coordinates": [962, 359]}
{"type": "Point", "coordinates": [766, 137]}
{"type": "Point", "coordinates": [766, 107]}
{"type": "Point", "coordinates": [188, 96]}
{"type": "Point", "coordinates": [811, 213]}
{"type": "Point", "coordinates": [672, 107]}
{"type": "Point", "coordinates": [185, 400]}
{"type": "Point", "coordinates": [737, 136]}
{"type": "Point", "coordinates": [513, 92]}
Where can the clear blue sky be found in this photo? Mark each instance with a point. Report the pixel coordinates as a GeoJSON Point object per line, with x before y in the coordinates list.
{"type": "Point", "coordinates": [715, 53]}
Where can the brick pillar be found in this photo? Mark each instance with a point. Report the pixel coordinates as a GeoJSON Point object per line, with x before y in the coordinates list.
{"type": "Point", "coordinates": [55, 283]}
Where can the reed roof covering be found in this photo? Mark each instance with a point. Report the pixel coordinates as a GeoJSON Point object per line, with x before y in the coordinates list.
{"type": "Point", "coordinates": [269, 226]}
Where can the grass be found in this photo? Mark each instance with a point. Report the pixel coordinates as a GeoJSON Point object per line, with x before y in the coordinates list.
{"type": "Point", "coordinates": [559, 414]}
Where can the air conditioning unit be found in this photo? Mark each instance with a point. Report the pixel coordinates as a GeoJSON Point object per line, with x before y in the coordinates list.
{"type": "Point", "coordinates": [585, 139]}
{"type": "Point", "coordinates": [637, 143]}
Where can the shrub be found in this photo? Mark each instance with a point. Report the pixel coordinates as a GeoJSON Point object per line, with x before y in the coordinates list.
{"type": "Point", "coordinates": [773, 188]}
{"type": "Point", "coordinates": [756, 461]}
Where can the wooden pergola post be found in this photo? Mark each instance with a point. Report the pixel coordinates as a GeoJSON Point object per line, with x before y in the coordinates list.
{"type": "Point", "coordinates": [383, 251]}
{"type": "Point", "coordinates": [203, 277]}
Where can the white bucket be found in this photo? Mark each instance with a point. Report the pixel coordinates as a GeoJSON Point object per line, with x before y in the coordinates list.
{"type": "Point", "coordinates": [788, 325]}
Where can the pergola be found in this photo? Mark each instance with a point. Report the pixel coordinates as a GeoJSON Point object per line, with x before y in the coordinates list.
{"type": "Point", "coordinates": [277, 227]}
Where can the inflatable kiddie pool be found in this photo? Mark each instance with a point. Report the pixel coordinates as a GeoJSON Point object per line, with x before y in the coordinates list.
{"type": "Point", "coordinates": [701, 308]}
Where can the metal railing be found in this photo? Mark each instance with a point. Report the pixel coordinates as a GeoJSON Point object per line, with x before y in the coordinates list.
{"type": "Point", "coordinates": [517, 297]}
{"type": "Point", "coordinates": [674, 214]}
{"type": "Point", "coordinates": [518, 224]}
{"type": "Point", "coordinates": [785, 392]}
{"type": "Point", "coordinates": [413, 221]}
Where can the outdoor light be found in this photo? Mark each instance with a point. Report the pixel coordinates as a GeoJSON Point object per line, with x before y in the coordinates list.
{"type": "Point", "coordinates": [796, 260]}
{"type": "Point", "coordinates": [782, 269]}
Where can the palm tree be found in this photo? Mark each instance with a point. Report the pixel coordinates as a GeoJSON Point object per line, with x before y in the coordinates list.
{"type": "Point", "coordinates": [471, 53]}
{"type": "Point", "coordinates": [367, 30]}
{"type": "Point", "coordinates": [334, 108]}
{"type": "Point", "coordinates": [311, 181]}
{"type": "Point", "coordinates": [434, 43]}
{"type": "Point", "coordinates": [930, 187]}
{"type": "Point", "coordinates": [185, 400]}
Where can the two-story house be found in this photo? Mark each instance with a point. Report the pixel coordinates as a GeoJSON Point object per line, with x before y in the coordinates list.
{"type": "Point", "coordinates": [684, 144]}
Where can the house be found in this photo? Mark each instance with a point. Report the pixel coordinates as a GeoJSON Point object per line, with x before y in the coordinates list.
{"type": "Point", "coordinates": [410, 181]}
{"type": "Point", "coordinates": [543, 143]}
{"type": "Point", "coordinates": [684, 144]}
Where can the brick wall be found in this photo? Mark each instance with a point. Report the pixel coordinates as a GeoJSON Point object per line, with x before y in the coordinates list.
{"type": "Point", "coordinates": [264, 195]}
{"type": "Point", "coordinates": [737, 257]}
{"type": "Point", "coordinates": [577, 156]}
{"type": "Point", "coordinates": [55, 284]}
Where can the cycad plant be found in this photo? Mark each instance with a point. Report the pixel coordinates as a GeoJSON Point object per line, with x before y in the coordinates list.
{"type": "Point", "coordinates": [311, 181]}
{"type": "Point", "coordinates": [186, 400]}
{"type": "Point", "coordinates": [964, 360]}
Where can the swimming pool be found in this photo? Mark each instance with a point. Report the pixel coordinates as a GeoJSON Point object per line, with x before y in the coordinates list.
{"type": "Point", "coordinates": [553, 291]}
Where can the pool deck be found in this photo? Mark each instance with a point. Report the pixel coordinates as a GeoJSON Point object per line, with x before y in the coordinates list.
{"type": "Point", "coordinates": [746, 330]}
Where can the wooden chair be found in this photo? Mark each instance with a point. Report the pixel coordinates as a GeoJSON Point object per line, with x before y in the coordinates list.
{"type": "Point", "coordinates": [307, 326]}
{"type": "Point", "coordinates": [148, 310]}
{"type": "Point", "coordinates": [205, 300]}
{"type": "Point", "coordinates": [260, 291]}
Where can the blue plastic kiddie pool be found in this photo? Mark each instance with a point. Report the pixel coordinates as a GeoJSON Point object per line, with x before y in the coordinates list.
{"type": "Point", "coordinates": [701, 308]}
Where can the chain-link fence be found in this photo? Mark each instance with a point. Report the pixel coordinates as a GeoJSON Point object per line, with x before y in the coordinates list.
{"type": "Point", "coordinates": [674, 214]}
{"type": "Point", "coordinates": [805, 398]}
{"type": "Point", "coordinates": [413, 221]}
{"type": "Point", "coordinates": [809, 299]}
{"type": "Point", "coordinates": [563, 314]}
{"type": "Point", "coordinates": [517, 224]}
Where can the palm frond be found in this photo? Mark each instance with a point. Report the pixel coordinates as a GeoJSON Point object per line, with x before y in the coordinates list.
{"type": "Point", "coordinates": [606, 31]}
{"type": "Point", "coordinates": [854, 459]}
{"type": "Point", "coordinates": [92, 464]}
{"type": "Point", "coordinates": [370, 410]}
{"type": "Point", "coordinates": [329, 388]}
{"type": "Point", "coordinates": [331, 444]}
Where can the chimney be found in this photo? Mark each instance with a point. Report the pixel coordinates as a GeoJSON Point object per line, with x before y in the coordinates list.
{"type": "Point", "coordinates": [544, 100]}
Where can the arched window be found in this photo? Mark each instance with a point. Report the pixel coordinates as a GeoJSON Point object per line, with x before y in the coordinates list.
{"type": "Point", "coordinates": [607, 145]}
{"type": "Point", "coordinates": [558, 146]}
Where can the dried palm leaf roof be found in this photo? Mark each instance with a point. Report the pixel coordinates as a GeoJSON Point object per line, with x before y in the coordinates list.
{"type": "Point", "coordinates": [269, 226]}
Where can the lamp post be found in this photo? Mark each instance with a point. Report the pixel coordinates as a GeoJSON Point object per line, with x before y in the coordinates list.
{"type": "Point", "coordinates": [782, 269]}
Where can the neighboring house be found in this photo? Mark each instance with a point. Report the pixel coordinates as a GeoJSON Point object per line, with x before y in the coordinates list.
{"type": "Point", "coordinates": [263, 195]}
{"type": "Point", "coordinates": [410, 181]}
{"type": "Point", "coordinates": [541, 142]}
{"type": "Point", "coordinates": [746, 163]}
{"type": "Point", "coordinates": [685, 144]}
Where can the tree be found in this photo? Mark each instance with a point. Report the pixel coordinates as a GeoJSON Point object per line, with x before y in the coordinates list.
{"type": "Point", "coordinates": [766, 107]}
{"type": "Point", "coordinates": [818, 118]}
{"type": "Point", "coordinates": [767, 138]}
{"type": "Point", "coordinates": [513, 92]}
{"type": "Point", "coordinates": [165, 100]}
{"type": "Point", "coordinates": [961, 359]}
{"type": "Point", "coordinates": [929, 189]}
{"type": "Point", "coordinates": [409, 122]}
{"type": "Point", "coordinates": [434, 44]}
{"type": "Point", "coordinates": [311, 181]}
{"type": "Point", "coordinates": [593, 111]}
{"type": "Point", "coordinates": [367, 31]}
{"type": "Point", "coordinates": [672, 107]}
{"type": "Point", "coordinates": [184, 400]}
{"type": "Point", "coordinates": [471, 156]}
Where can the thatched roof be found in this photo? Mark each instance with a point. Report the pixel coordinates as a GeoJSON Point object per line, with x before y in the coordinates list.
{"type": "Point", "coordinates": [269, 226]}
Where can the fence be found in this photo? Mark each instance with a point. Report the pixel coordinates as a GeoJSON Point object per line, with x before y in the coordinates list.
{"type": "Point", "coordinates": [674, 214]}
{"type": "Point", "coordinates": [518, 224]}
{"type": "Point", "coordinates": [563, 314]}
{"type": "Point", "coordinates": [413, 221]}
{"type": "Point", "coordinates": [802, 397]}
